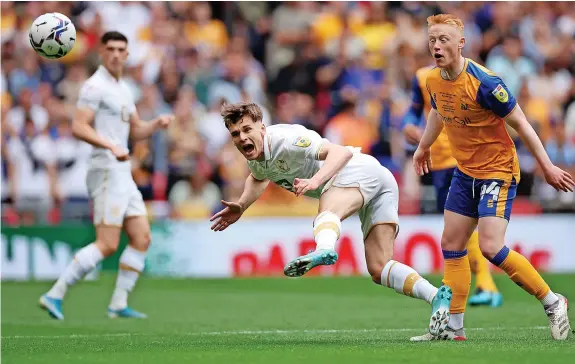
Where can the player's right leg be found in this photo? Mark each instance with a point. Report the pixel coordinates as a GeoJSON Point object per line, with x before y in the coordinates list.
{"type": "Point", "coordinates": [460, 220]}
{"type": "Point", "coordinates": [335, 205]}
{"type": "Point", "coordinates": [86, 259]}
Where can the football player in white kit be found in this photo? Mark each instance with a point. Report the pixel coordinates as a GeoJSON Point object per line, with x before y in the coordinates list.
{"type": "Point", "coordinates": [106, 117]}
{"type": "Point", "coordinates": [345, 181]}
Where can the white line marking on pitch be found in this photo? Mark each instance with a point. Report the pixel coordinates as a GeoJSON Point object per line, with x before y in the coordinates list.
{"type": "Point", "coordinates": [254, 332]}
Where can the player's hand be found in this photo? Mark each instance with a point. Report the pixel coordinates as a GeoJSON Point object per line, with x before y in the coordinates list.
{"type": "Point", "coordinates": [230, 214]}
{"type": "Point", "coordinates": [165, 120]}
{"type": "Point", "coordinates": [121, 154]}
{"type": "Point", "coordinates": [301, 186]}
{"type": "Point", "coordinates": [559, 179]}
{"type": "Point", "coordinates": [422, 161]}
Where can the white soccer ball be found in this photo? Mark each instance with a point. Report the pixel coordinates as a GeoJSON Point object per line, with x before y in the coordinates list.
{"type": "Point", "coordinates": [52, 35]}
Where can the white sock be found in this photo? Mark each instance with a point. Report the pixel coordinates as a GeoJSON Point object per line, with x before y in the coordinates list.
{"type": "Point", "coordinates": [134, 260]}
{"type": "Point", "coordinates": [326, 231]}
{"type": "Point", "coordinates": [405, 280]}
{"type": "Point", "coordinates": [549, 299]}
{"type": "Point", "coordinates": [84, 261]}
{"type": "Point", "coordinates": [456, 321]}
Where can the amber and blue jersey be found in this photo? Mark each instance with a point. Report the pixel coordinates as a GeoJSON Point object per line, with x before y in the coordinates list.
{"type": "Point", "coordinates": [473, 107]}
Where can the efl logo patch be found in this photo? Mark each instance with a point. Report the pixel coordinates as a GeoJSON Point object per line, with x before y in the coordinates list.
{"type": "Point", "coordinates": [500, 94]}
{"type": "Point", "coordinates": [302, 142]}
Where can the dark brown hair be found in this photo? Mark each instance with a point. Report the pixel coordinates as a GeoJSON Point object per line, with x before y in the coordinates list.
{"type": "Point", "coordinates": [113, 35]}
{"type": "Point", "coordinates": [232, 113]}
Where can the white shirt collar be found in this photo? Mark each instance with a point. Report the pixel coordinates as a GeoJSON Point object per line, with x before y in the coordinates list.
{"type": "Point", "coordinates": [107, 74]}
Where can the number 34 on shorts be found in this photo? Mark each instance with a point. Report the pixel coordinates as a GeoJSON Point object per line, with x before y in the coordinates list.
{"type": "Point", "coordinates": [480, 197]}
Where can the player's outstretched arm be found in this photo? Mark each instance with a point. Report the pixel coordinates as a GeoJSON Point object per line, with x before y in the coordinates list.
{"type": "Point", "coordinates": [83, 130]}
{"type": "Point", "coordinates": [335, 157]}
{"type": "Point", "coordinates": [253, 189]}
{"type": "Point", "coordinates": [554, 175]}
{"type": "Point", "coordinates": [422, 156]}
{"type": "Point", "coordinates": [144, 129]}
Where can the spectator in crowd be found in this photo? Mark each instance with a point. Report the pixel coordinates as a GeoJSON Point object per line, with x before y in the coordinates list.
{"type": "Point", "coordinates": [27, 110]}
{"type": "Point", "coordinates": [506, 60]}
{"type": "Point", "coordinates": [34, 179]}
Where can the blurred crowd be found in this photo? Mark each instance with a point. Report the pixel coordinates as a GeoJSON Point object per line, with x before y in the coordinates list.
{"type": "Point", "coordinates": [343, 69]}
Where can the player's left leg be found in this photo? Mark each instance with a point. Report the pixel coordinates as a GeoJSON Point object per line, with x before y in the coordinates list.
{"type": "Point", "coordinates": [335, 205]}
{"type": "Point", "coordinates": [486, 292]}
{"type": "Point", "coordinates": [402, 278]}
{"type": "Point", "coordinates": [494, 213]}
{"type": "Point", "coordinates": [133, 258]}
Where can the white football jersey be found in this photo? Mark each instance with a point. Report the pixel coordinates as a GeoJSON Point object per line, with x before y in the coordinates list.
{"type": "Point", "coordinates": [113, 104]}
{"type": "Point", "coordinates": [291, 151]}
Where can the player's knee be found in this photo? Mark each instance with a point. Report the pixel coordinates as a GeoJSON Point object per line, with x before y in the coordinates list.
{"type": "Point", "coordinates": [142, 241]}
{"type": "Point", "coordinates": [107, 247]}
{"type": "Point", "coordinates": [375, 268]}
{"type": "Point", "coordinates": [449, 243]}
{"type": "Point", "coordinates": [489, 248]}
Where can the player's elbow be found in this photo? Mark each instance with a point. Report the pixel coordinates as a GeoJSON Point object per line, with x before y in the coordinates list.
{"type": "Point", "coordinates": [517, 120]}
{"type": "Point", "coordinates": [347, 154]}
{"type": "Point", "coordinates": [344, 154]}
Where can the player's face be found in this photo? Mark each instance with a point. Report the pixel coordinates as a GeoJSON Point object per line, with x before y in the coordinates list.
{"type": "Point", "coordinates": [445, 44]}
{"type": "Point", "coordinates": [114, 55]}
{"type": "Point", "coordinates": [248, 137]}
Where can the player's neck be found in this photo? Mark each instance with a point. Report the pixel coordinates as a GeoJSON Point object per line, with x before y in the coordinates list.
{"type": "Point", "coordinates": [453, 71]}
{"type": "Point", "coordinates": [116, 75]}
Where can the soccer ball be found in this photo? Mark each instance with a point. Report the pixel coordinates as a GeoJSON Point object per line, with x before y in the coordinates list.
{"type": "Point", "coordinates": [52, 35]}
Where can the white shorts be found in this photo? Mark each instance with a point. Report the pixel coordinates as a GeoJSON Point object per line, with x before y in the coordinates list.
{"type": "Point", "coordinates": [114, 196]}
{"type": "Point", "coordinates": [378, 188]}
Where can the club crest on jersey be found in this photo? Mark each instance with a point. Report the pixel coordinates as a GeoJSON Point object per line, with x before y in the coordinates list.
{"type": "Point", "coordinates": [125, 114]}
{"type": "Point", "coordinates": [302, 142]}
{"type": "Point", "coordinates": [282, 165]}
{"type": "Point", "coordinates": [500, 93]}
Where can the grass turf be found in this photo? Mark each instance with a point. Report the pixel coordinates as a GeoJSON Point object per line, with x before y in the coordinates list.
{"type": "Point", "coordinates": [316, 320]}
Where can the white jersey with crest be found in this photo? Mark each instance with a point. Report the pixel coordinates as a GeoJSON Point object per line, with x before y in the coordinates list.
{"type": "Point", "coordinates": [112, 102]}
{"type": "Point", "coordinates": [292, 151]}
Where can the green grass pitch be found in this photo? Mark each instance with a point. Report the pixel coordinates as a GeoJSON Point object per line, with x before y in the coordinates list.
{"type": "Point", "coordinates": [275, 320]}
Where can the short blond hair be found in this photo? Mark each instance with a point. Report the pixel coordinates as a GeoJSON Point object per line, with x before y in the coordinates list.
{"type": "Point", "coordinates": [445, 19]}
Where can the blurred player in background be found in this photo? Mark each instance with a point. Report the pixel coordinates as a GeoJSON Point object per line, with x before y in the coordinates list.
{"type": "Point", "coordinates": [345, 181]}
{"type": "Point", "coordinates": [442, 168]}
{"type": "Point", "coordinates": [106, 117]}
{"type": "Point", "coordinates": [474, 104]}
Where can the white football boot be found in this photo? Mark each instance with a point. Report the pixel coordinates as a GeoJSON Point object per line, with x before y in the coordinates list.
{"type": "Point", "coordinates": [558, 319]}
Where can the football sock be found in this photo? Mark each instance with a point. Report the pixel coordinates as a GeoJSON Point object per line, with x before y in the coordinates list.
{"type": "Point", "coordinates": [326, 230]}
{"type": "Point", "coordinates": [405, 280]}
{"type": "Point", "coordinates": [523, 274]}
{"type": "Point", "coordinates": [456, 321]}
{"type": "Point", "coordinates": [132, 263]}
{"type": "Point", "coordinates": [84, 261]}
{"type": "Point", "coordinates": [479, 265]}
{"type": "Point", "coordinates": [458, 277]}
